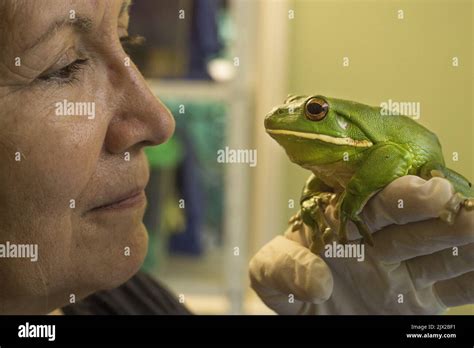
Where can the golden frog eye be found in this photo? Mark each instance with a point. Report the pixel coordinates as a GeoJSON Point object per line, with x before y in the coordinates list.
{"type": "Point", "coordinates": [316, 109]}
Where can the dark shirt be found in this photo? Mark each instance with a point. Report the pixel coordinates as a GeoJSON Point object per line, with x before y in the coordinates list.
{"type": "Point", "coordinates": [141, 294]}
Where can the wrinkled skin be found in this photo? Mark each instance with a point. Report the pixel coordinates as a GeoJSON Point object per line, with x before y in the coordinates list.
{"type": "Point", "coordinates": [64, 158]}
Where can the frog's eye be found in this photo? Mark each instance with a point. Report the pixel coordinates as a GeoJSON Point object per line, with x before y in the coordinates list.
{"type": "Point", "coordinates": [316, 109]}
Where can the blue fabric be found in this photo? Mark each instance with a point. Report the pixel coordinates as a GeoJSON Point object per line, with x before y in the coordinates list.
{"type": "Point", "coordinates": [189, 185]}
{"type": "Point", "coordinates": [205, 41]}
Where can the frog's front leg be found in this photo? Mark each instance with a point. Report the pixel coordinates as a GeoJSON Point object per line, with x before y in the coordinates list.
{"type": "Point", "coordinates": [314, 200]}
{"type": "Point", "coordinates": [385, 162]}
{"type": "Point", "coordinates": [313, 215]}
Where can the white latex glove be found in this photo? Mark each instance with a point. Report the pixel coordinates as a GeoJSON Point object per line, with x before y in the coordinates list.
{"type": "Point", "coordinates": [413, 268]}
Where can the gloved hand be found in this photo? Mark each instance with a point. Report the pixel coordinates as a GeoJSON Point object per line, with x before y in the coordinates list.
{"type": "Point", "coordinates": [419, 265]}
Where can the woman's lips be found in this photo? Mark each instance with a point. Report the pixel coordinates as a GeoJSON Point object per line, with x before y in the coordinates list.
{"type": "Point", "coordinates": [132, 200]}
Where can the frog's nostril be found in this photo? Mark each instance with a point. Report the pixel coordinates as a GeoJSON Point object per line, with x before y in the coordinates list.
{"type": "Point", "coordinates": [277, 111]}
{"type": "Point", "coordinates": [282, 110]}
{"type": "Point", "coordinates": [271, 113]}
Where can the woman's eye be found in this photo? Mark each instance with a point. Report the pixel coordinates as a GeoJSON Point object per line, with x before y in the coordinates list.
{"type": "Point", "coordinates": [65, 74]}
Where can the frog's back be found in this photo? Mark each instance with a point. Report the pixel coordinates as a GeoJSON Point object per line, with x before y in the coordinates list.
{"type": "Point", "coordinates": [420, 141]}
{"type": "Point", "coordinates": [426, 149]}
{"type": "Point", "coordinates": [402, 130]}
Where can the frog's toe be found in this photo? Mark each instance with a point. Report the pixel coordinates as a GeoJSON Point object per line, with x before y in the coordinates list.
{"type": "Point", "coordinates": [326, 198]}
{"type": "Point", "coordinates": [364, 232]}
{"type": "Point", "coordinates": [296, 226]}
{"type": "Point", "coordinates": [468, 204]}
{"type": "Point", "coordinates": [295, 218]}
{"type": "Point", "coordinates": [436, 173]}
{"type": "Point", "coordinates": [454, 204]}
{"type": "Point", "coordinates": [317, 245]}
{"type": "Point", "coordinates": [447, 216]}
{"type": "Point", "coordinates": [342, 233]}
{"type": "Point", "coordinates": [328, 236]}
{"type": "Point", "coordinates": [323, 226]}
{"type": "Point", "coordinates": [312, 214]}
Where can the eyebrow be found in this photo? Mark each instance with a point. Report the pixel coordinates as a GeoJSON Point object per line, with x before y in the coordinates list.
{"type": "Point", "coordinates": [126, 4]}
{"type": "Point", "coordinates": [81, 24]}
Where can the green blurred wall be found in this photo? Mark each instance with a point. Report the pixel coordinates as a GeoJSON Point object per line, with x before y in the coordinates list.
{"type": "Point", "coordinates": [406, 59]}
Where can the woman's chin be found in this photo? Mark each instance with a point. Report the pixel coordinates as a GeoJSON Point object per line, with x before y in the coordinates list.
{"type": "Point", "coordinates": [114, 269]}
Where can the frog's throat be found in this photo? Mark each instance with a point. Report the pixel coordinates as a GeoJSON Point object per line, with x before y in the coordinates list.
{"type": "Point", "coordinates": [323, 137]}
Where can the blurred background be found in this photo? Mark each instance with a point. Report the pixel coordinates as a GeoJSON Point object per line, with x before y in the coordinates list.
{"type": "Point", "coordinates": [221, 65]}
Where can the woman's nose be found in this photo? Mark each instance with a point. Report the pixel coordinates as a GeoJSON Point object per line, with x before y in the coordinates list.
{"type": "Point", "coordinates": [140, 119]}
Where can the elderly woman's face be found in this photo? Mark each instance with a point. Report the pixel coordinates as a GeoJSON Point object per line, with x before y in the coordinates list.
{"type": "Point", "coordinates": [75, 115]}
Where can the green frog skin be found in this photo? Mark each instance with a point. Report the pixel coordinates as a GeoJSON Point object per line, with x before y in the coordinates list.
{"type": "Point", "coordinates": [354, 151]}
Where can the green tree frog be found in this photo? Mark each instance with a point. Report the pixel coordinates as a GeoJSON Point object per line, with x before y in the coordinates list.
{"type": "Point", "coordinates": [353, 151]}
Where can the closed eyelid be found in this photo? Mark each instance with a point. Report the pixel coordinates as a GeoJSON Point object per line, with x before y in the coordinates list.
{"type": "Point", "coordinates": [64, 59]}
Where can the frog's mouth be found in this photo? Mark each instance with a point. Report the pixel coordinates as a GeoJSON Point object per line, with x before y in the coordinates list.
{"type": "Point", "coordinates": [323, 137]}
